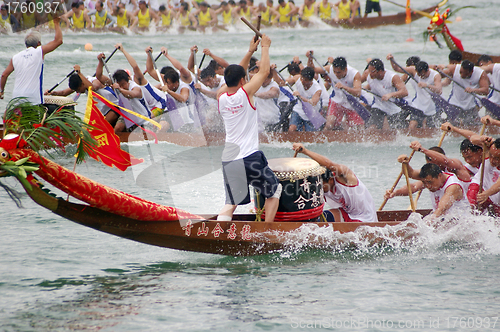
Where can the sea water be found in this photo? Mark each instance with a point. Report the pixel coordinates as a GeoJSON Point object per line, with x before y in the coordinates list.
{"type": "Point", "coordinates": [56, 275]}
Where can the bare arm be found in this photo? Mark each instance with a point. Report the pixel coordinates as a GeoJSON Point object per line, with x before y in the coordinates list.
{"type": "Point", "coordinates": [452, 194]}
{"type": "Point", "coordinates": [251, 50]}
{"type": "Point", "coordinates": [185, 74]}
{"type": "Point", "coordinates": [5, 75]}
{"type": "Point", "coordinates": [98, 72]}
{"type": "Point", "coordinates": [181, 97]}
{"type": "Point", "coordinates": [272, 93]}
{"type": "Point", "coordinates": [138, 75]}
{"type": "Point", "coordinates": [400, 86]}
{"type": "Point", "coordinates": [58, 38]}
{"type": "Point", "coordinates": [149, 64]}
{"type": "Point", "coordinates": [223, 63]}
{"type": "Point", "coordinates": [265, 65]}
{"type": "Point", "coordinates": [464, 132]}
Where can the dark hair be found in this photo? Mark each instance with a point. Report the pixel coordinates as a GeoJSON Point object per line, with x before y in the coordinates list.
{"type": "Point", "coordinates": [233, 74]}
{"type": "Point", "coordinates": [430, 169]}
{"type": "Point", "coordinates": [75, 82]}
{"type": "Point", "coordinates": [253, 62]}
{"type": "Point", "coordinates": [293, 68]}
{"type": "Point", "coordinates": [377, 64]}
{"type": "Point", "coordinates": [75, 4]}
{"type": "Point", "coordinates": [421, 66]}
{"type": "Point", "coordinates": [484, 58]}
{"type": "Point", "coordinates": [437, 149]}
{"type": "Point", "coordinates": [467, 65]}
{"type": "Point", "coordinates": [223, 3]}
{"type": "Point", "coordinates": [412, 61]}
{"type": "Point", "coordinates": [185, 5]}
{"type": "Point", "coordinates": [121, 75]}
{"type": "Point", "coordinates": [327, 175]}
{"type": "Point", "coordinates": [467, 145]}
{"type": "Point", "coordinates": [242, 2]}
{"type": "Point", "coordinates": [496, 143]}
{"type": "Point", "coordinates": [455, 55]}
{"type": "Point", "coordinates": [165, 69]}
{"type": "Point", "coordinates": [170, 74]}
{"type": "Point", "coordinates": [207, 72]}
{"type": "Point", "coordinates": [162, 8]}
{"type": "Point", "coordinates": [307, 73]}
{"type": "Point", "coordinates": [204, 4]}
{"type": "Point", "coordinates": [339, 62]}
{"type": "Point", "coordinates": [231, 2]}
{"type": "Point", "coordinates": [214, 65]}
{"type": "Point", "coordinates": [281, 1]}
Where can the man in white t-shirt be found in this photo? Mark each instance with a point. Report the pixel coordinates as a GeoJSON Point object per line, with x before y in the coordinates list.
{"type": "Point", "coordinates": [242, 162]}
{"type": "Point", "coordinates": [27, 66]}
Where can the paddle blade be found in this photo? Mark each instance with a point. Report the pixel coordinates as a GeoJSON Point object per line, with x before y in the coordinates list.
{"type": "Point", "coordinates": [451, 111]}
{"type": "Point", "coordinates": [316, 119]}
{"type": "Point", "coordinates": [356, 105]}
{"type": "Point", "coordinates": [491, 106]}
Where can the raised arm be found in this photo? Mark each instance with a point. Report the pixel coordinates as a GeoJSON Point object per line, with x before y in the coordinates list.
{"type": "Point", "coordinates": [251, 50]}
{"type": "Point", "coordinates": [223, 63]}
{"type": "Point", "coordinates": [58, 38]}
{"type": "Point", "coordinates": [149, 64]}
{"type": "Point", "coordinates": [98, 72]}
{"type": "Point", "coordinates": [185, 74]}
{"type": "Point", "coordinates": [265, 65]}
{"type": "Point", "coordinates": [138, 75]}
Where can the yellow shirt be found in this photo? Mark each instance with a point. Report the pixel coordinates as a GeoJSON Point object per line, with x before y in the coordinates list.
{"type": "Point", "coordinates": [78, 22]}
{"type": "Point", "coordinates": [29, 20]}
{"type": "Point", "coordinates": [184, 20]}
{"type": "Point", "coordinates": [265, 16]}
{"type": "Point", "coordinates": [6, 21]}
{"type": "Point", "coordinates": [227, 17]}
{"type": "Point", "coordinates": [122, 21]}
{"type": "Point", "coordinates": [100, 22]}
{"type": "Point", "coordinates": [166, 20]}
{"type": "Point", "coordinates": [144, 19]}
{"type": "Point", "coordinates": [357, 13]}
{"type": "Point", "coordinates": [344, 10]}
{"type": "Point", "coordinates": [283, 11]}
{"type": "Point", "coordinates": [245, 14]}
{"type": "Point", "coordinates": [308, 12]}
{"type": "Point", "coordinates": [204, 18]}
{"type": "Point", "coordinates": [325, 12]}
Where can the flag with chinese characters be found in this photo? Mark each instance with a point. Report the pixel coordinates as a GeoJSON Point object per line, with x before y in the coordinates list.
{"type": "Point", "coordinates": [108, 149]}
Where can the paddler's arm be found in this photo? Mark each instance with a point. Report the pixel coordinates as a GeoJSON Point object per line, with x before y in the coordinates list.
{"type": "Point", "coordinates": [138, 75]}
{"type": "Point", "coordinates": [437, 87]}
{"type": "Point", "coordinates": [452, 194]}
{"type": "Point", "coordinates": [412, 173]}
{"type": "Point", "coordinates": [85, 81]}
{"type": "Point", "coordinates": [356, 86]}
{"type": "Point", "coordinates": [63, 92]}
{"type": "Point", "coordinates": [438, 158]}
{"type": "Point", "coordinates": [223, 63]}
{"type": "Point", "coordinates": [184, 73]}
{"type": "Point", "coordinates": [483, 196]}
{"type": "Point", "coordinates": [342, 172]}
{"type": "Point", "coordinates": [464, 132]}
{"type": "Point", "coordinates": [254, 44]}
{"type": "Point", "coordinates": [149, 64]}
{"type": "Point", "coordinates": [400, 86]}
{"type": "Point", "coordinates": [181, 97]}
{"type": "Point", "coordinates": [484, 85]}
{"type": "Point", "coordinates": [271, 93]}
{"type": "Point", "coordinates": [481, 139]}
{"type": "Point", "coordinates": [190, 65]}
{"type": "Point", "coordinates": [98, 71]}
{"type": "Point", "coordinates": [403, 191]}
{"type": "Point", "coordinates": [488, 68]}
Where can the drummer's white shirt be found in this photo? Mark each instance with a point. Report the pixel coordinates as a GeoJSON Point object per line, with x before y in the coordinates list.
{"type": "Point", "coordinates": [268, 111]}
{"type": "Point", "coordinates": [28, 71]}
{"type": "Point", "coordinates": [240, 121]}
{"type": "Point", "coordinates": [355, 200]}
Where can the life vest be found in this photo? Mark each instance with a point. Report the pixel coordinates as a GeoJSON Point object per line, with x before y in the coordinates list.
{"type": "Point", "coordinates": [204, 18]}
{"type": "Point", "coordinates": [184, 20]}
{"type": "Point", "coordinates": [308, 12]}
{"type": "Point", "coordinates": [227, 17]}
{"type": "Point", "coordinates": [358, 11]}
{"type": "Point", "coordinates": [283, 11]}
{"type": "Point", "coordinates": [100, 21]}
{"type": "Point", "coordinates": [166, 20]}
{"type": "Point", "coordinates": [245, 14]}
{"type": "Point", "coordinates": [144, 19]}
{"type": "Point", "coordinates": [122, 21]}
{"type": "Point", "coordinates": [78, 22]}
{"type": "Point", "coordinates": [325, 13]}
{"type": "Point", "coordinates": [6, 21]}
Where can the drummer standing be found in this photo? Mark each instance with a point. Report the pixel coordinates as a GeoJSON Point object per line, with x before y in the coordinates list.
{"type": "Point", "coordinates": [347, 196]}
{"type": "Point", "coordinates": [242, 162]}
{"type": "Point", "coordinates": [28, 66]}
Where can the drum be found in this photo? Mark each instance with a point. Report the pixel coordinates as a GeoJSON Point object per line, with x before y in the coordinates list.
{"type": "Point", "coordinates": [53, 103]}
{"type": "Point", "coordinates": [302, 197]}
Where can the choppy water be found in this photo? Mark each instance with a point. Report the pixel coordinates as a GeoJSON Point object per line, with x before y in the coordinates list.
{"type": "Point", "coordinates": [57, 276]}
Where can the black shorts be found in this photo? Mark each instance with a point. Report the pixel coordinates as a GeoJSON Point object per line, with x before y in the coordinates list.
{"type": "Point", "coordinates": [430, 120]}
{"type": "Point", "coordinates": [396, 121]}
{"type": "Point", "coordinates": [372, 6]}
{"type": "Point", "coordinates": [251, 170]}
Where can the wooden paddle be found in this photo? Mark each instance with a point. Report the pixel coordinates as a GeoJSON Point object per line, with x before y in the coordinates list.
{"type": "Point", "coordinates": [396, 182]}
{"type": "Point", "coordinates": [410, 194]}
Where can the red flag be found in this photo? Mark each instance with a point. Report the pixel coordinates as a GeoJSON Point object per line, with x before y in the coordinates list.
{"type": "Point", "coordinates": [108, 150]}
{"type": "Point", "coordinates": [408, 12]}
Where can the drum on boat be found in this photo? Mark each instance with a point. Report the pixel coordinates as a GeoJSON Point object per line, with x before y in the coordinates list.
{"type": "Point", "coordinates": [53, 103]}
{"type": "Point", "coordinates": [302, 197]}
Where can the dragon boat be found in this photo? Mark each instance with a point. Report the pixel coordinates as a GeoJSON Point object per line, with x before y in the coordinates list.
{"type": "Point", "coordinates": [30, 130]}
{"type": "Point", "coordinates": [438, 26]}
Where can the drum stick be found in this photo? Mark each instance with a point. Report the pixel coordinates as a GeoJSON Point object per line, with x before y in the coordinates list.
{"type": "Point", "coordinates": [55, 86]}
{"type": "Point", "coordinates": [250, 25]}
{"type": "Point", "coordinates": [257, 27]}
{"type": "Point", "coordinates": [395, 183]}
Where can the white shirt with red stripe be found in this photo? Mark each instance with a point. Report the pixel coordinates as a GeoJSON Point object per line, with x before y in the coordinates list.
{"type": "Point", "coordinates": [473, 170]}
{"type": "Point", "coordinates": [491, 176]}
{"type": "Point", "coordinates": [240, 121]}
{"type": "Point", "coordinates": [356, 201]}
{"type": "Point", "coordinates": [451, 180]}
